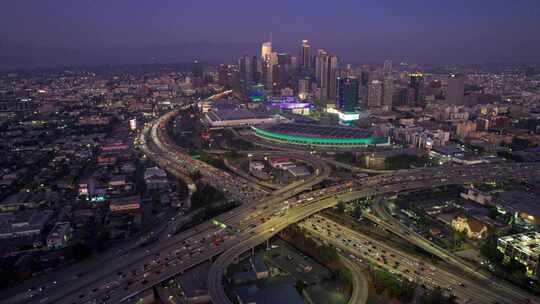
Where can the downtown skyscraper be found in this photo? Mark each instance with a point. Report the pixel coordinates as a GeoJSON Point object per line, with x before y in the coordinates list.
{"type": "Point", "coordinates": [347, 94]}
{"type": "Point", "coordinates": [455, 89]}
{"type": "Point", "coordinates": [326, 72]}
{"type": "Point", "coordinates": [305, 59]}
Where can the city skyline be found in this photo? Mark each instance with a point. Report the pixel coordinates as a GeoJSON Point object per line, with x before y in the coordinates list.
{"type": "Point", "coordinates": [165, 152]}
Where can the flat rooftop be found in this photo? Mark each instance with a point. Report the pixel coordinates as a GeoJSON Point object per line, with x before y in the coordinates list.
{"type": "Point", "coordinates": [528, 243]}
{"type": "Point", "coordinates": [309, 130]}
{"type": "Point", "coordinates": [520, 201]}
{"type": "Point", "coordinates": [235, 114]}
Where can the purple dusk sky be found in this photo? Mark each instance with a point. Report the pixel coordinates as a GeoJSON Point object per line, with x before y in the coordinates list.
{"type": "Point", "coordinates": [82, 32]}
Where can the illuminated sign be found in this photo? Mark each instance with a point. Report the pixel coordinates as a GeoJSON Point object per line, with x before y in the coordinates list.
{"type": "Point", "coordinates": [99, 198]}
{"type": "Point", "coordinates": [133, 124]}
{"type": "Point", "coordinates": [298, 139]}
{"type": "Point", "coordinates": [348, 116]}
{"type": "Point", "coordinates": [344, 116]}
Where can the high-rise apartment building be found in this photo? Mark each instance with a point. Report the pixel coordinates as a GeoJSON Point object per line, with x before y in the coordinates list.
{"type": "Point", "coordinates": [388, 91]}
{"type": "Point", "coordinates": [224, 75]}
{"type": "Point", "coordinates": [303, 88]}
{"type": "Point", "coordinates": [387, 68]}
{"type": "Point", "coordinates": [305, 59]}
{"type": "Point", "coordinates": [455, 89]}
{"type": "Point", "coordinates": [375, 93]}
{"type": "Point", "coordinates": [247, 69]}
{"type": "Point", "coordinates": [416, 90]}
{"type": "Point", "coordinates": [347, 94]}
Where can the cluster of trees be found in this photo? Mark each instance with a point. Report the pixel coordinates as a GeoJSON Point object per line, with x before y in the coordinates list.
{"type": "Point", "coordinates": [205, 195]}
{"type": "Point", "coordinates": [355, 212]}
{"type": "Point", "coordinates": [520, 144]}
{"type": "Point", "coordinates": [386, 282]}
{"type": "Point", "coordinates": [240, 144]}
{"type": "Point", "coordinates": [346, 157]}
{"type": "Point", "coordinates": [328, 254]}
{"type": "Point", "coordinates": [405, 291]}
{"type": "Point", "coordinates": [212, 160]}
{"type": "Point", "coordinates": [324, 254]}
{"type": "Point", "coordinates": [405, 161]}
{"type": "Point", "coordinates": [213, 211]}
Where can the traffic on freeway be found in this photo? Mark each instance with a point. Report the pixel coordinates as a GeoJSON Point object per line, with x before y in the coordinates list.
{"type": "Point", "coordinates": [363, 248]}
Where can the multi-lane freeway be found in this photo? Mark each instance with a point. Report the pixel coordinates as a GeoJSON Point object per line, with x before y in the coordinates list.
{"type": "Point", "coordinates": [385, 184]}
{"type": "Point", "coordinates": [123, 274]}
{"type": "Point", "coordinates": [362, 247]}
{"type": "Point", "coordinates": [126, 273]}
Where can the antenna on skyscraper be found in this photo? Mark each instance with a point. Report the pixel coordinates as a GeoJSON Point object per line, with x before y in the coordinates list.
{"type": "Point", "coordinates": [271, 37]}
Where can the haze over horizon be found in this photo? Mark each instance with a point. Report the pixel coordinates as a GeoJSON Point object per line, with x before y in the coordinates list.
{"type": "Point", "coordinates": [38, 34]}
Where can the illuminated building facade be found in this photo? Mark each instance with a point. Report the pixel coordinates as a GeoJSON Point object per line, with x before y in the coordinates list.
{"type": "Point", "coordinates": [318, 136]}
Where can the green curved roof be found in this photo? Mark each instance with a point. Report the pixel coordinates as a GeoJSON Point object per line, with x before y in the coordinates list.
{"type": "Point", "coordinates": [320, 140]}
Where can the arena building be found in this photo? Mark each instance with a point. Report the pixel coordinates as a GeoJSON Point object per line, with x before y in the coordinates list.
{"type": "Point", "coordinates": [318, 136]}
{"type": "Point", "coordinates": [223, 118]}
{"type": "Point", "coordinates": [290, 104]}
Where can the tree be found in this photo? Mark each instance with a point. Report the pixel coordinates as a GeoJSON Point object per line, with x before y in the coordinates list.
{"type": "Point", "coordinates": [340, 207]}
{"type": "Point", "coordinates": [520, 144]}
{"type": "Point", "coordinates": [206, 194]}
{"type": "Point", "coordinates": [328, 254]}
{"type": "Point", "coordinates": [344, 275]}
{"type": "Point", "coordinates": [404, 161]}
{"type": "Point", "coordinates": [357, 211]}
{"type": "Point", "coordinates": [195, 175]}
{"type": "Point", "coordinates": [345, 157]}
{"type": "Point", "coordinates": [493, 212]}
{"type": "Point", "coordinates": [408, 290]}
{"type": "Point", "coordinates": [490, 251]}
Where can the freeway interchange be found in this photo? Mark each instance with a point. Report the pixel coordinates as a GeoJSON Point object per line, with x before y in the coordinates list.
{"type": "Point", "coordinates": [388, 184]}
{"type": "Point", "coordinates": [121, 275]}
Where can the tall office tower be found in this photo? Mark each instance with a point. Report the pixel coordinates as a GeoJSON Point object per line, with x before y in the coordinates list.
{"type": "Point", "coordinates": [236, 83]}
{"type": "Point", "coordinates": [197, 69]}
{"type": "Point", "coordinates": [319, 63]}
{"type": "Point", "coordinates": [401, 97]}
{"type": "Point", "coordinates": [326, 74]}
{"type": "Point", "coordinates": [305, 60]}
{"type": "Point", "coordinates": [245, 67]}
{"type": "Point", "coordinates": [388, 91]}
{"type": "Point", "coordinates": [455, 89]}
{"type": "Point", "coordinates": [364, 84]}
{"type": "Point", "coordinates": [268, 75]}
{"type": "Point", "coordinates": [260, 69]}
{"type": "Point", "coordinates": [347, 94]}
{"type": "Point", "coordinates": [280, 76]}
{"type": "Point", "coordinates": [416, 90]}
{"type": "Point", "coordinates": [256, 69]}
{"type": "Point", "coordinates": [284, 71]}
{"type": "Point", "coordinates": [332, 76]}
{"type": "Point", "coordinates": [303, 88]}
{"type": "Point", "coordinates": [223, 75]}
{"type": "Point", "coordinates": [294, 63]}
{"type": "Point", "coordinates": [284, 59]}
{"type": "Point", "coordinates": [375, 94]}
{"type": "Point", "coordinates": [271, 61]}
{"type": "Point", "coordinates": [387, 68]}
{"type": "Point", "coordinates": [266, 50]}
